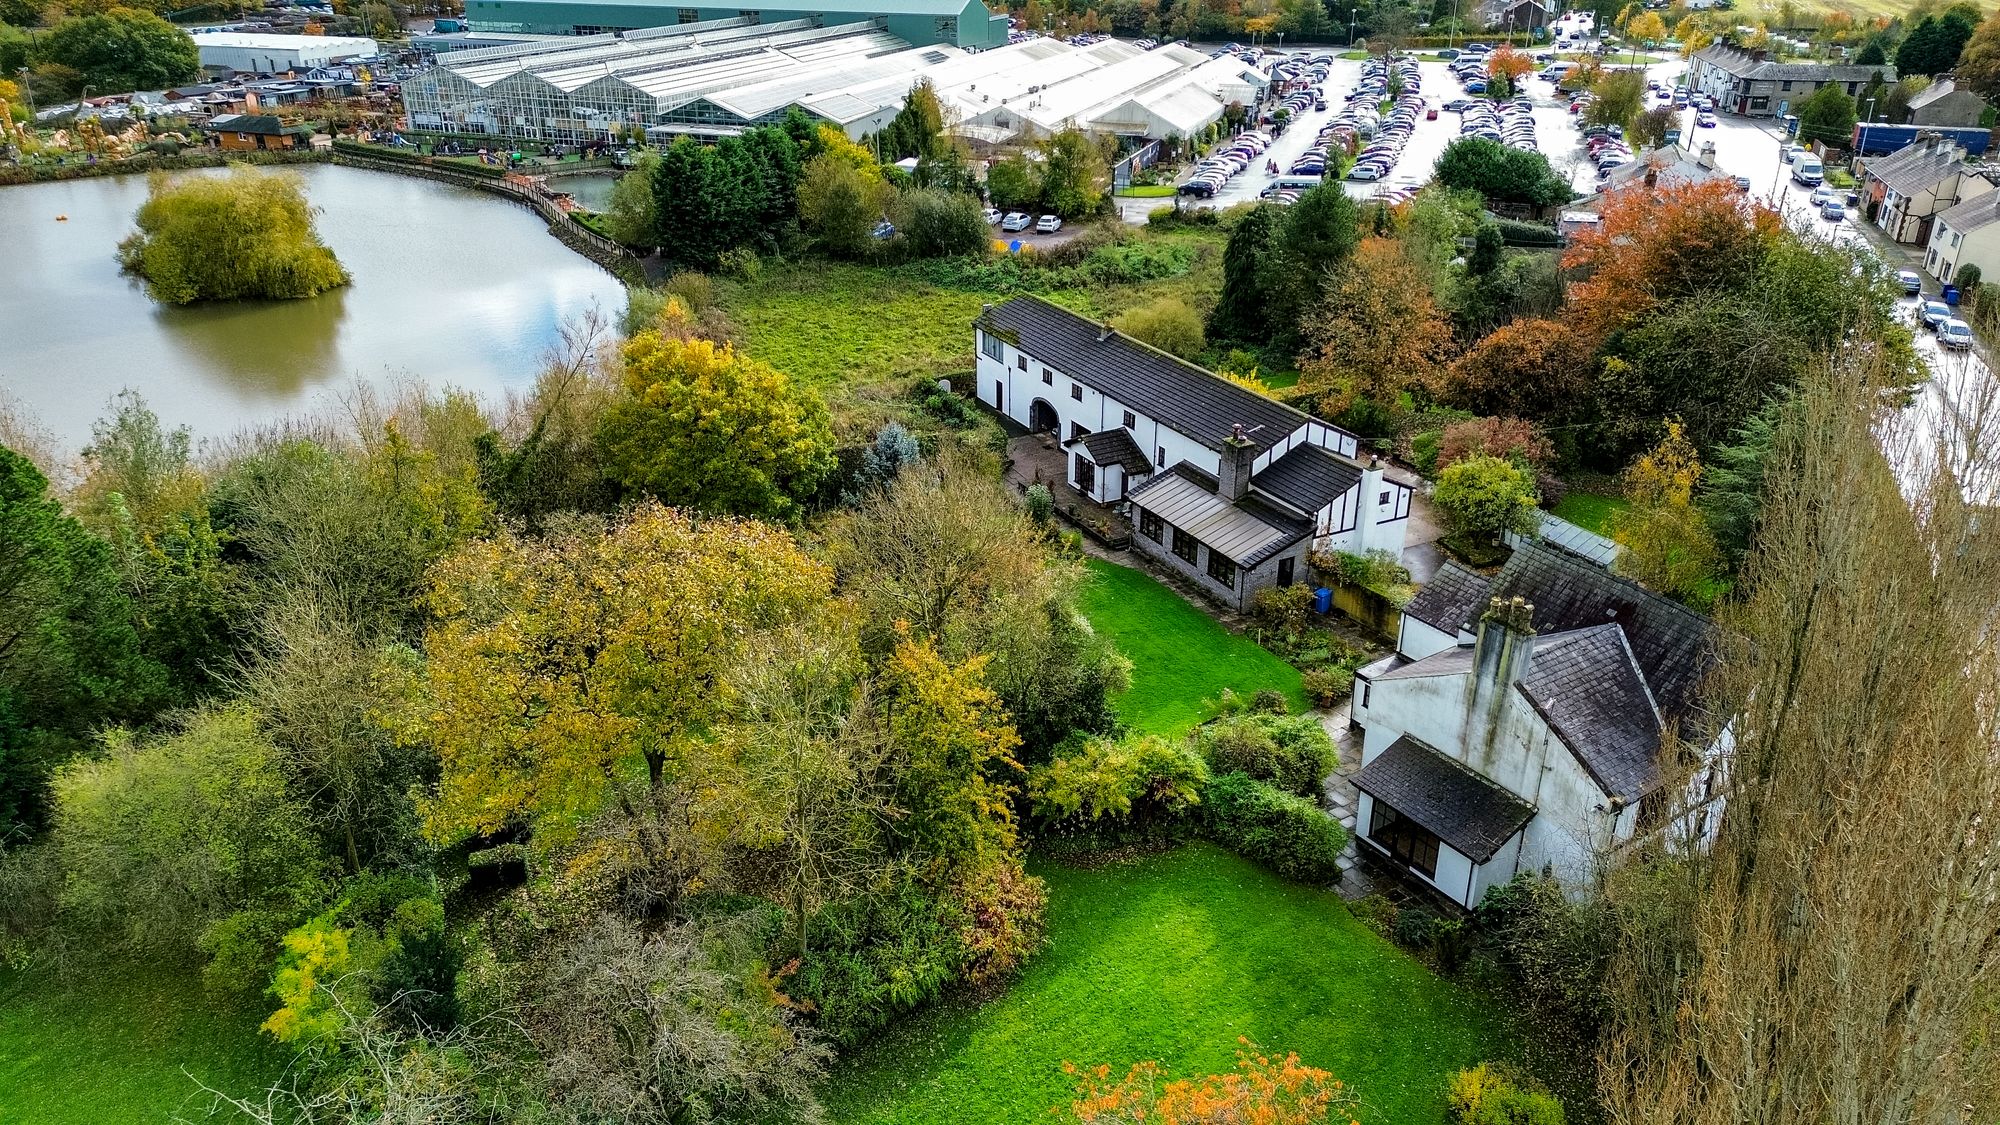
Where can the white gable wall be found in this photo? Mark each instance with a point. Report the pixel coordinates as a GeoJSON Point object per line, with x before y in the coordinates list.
{"type": "Point", "coordinates": [1417, 639]}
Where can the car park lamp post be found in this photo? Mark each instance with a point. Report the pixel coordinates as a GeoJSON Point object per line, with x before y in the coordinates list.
{"type": "Point", "coordinates": [1352, 15]}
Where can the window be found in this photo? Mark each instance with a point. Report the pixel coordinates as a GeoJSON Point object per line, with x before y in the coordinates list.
{"type": "Point", "coordinates": [946, 29]}
{"type": "Point", "coordinates": [1149, 524]}
{"type": "Point", "coordinates": [751, 14]}
{"type": "Point", "coordinates": [1021, 362]}
{"type": "Point", "coordinates": [1130, 420]}
{"type": "Point", "coordinates": [1851, 87]}
{"type": "Point", "coordinates": [689, 15]}
{"type": "Point", "coordinates": [1384, 501]}
{"type": "Point", "coordinates": [1160, 458]}
{"type": "Point", "coordinates": [1221, 569]}
{"type": "Point", "coordinates": [1361, 693]}
{"type": "Point", "coordinates": [1954, 238]}
{"type": "Point", "coordinates": [1186, 547]}
{"type": "Point", "coordinates": [1786, 86]}
{"type": "Point", "coordinates": [1412, 844]}
{"type": "Point", "coordinates": [1048, 377]}
{"type": "Point", "coordinates": [1076, 391]}
{"type": "Point", "coordinates": [1076, 431]}
{"type": "Point", "coordinates": [988, 343]}
{"type": "Point", "coordinates": [1086, 475]}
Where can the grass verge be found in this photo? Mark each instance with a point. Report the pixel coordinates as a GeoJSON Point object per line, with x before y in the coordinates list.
{"type": "Point", "coordinates": [1181, 657]}
{"type": "Point", "coordinates": [124, 1045]}
{"type": "Point", "coordinates": [1148, 191]}
{"type": "Point", "coordinates": [1171, 958]}
{"type": "Point", "coordinates": [1590, 510]}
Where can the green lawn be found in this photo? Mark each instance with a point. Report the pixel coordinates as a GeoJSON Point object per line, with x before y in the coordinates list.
{"type": "Point", "coordinates": [1181, 658]}
{"type": "Point", "coordinates": [1148, 191]}
{"type": "Point", "coordinates": [113, 1048]}
{"type": "Point", "coordinates": [1172, 958]}
{"type": "Point", "coordinates": [830, 323]}
{"type": "Point", "coordinates": [1590, 511]}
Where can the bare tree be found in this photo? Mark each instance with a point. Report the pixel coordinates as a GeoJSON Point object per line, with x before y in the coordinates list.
{"type": "Point", "coordinates": [1831, 956]}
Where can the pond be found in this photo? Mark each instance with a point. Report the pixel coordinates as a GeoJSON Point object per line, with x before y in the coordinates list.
{"type": "Point", "coordinates": [451, 285]}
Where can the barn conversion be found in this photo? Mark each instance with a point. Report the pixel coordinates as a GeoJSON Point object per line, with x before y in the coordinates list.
{"type": "Point", "coordinates": [719, 77]}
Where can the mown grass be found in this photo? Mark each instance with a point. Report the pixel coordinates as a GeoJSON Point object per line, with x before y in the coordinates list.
{"type": "Point", "coordinates": [124, 1046]}
{"type": "Point", "coordinates": [1172, 958]}
{"type": "Point", "coordinates": [1182, 659]}
{"type": "Point", "coordinates": [833, 323]}
{"type": "Point", "coordinates": [1590, 510]}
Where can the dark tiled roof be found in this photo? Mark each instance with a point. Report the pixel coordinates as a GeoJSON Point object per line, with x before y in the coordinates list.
{"type": "Point", "coordinates": [1116, 447]}
{"type": "Point", "coordinates": [1199, 404]}
{"type": "Point", "coordinates": [1673, 645]}
{"type": "Point", "coordinates": [1451, 599]}
{"type": "Point", "coordinates": [1463, 809]}
{"type": "Point", "coordinates": [1744, 64]}
{"type": "Point", "coordinates": [1308, 478]}
{"type": "Point", "coordinates": [1917, 167]}
{"type": "Point", "coordinates": [1585, 684]}
{"type": "Point", "coordinates": [1455, 661]}
{"type": "Point", "coordinates": [247, 123]}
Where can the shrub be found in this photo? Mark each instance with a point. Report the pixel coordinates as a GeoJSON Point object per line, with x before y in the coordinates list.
{"type": "Point", "coordinates": [1288, 834]}
{"type": "Point", "coordinates": [1292, 752]}
{"type": "Point", "coordinates": [1491, 1094]}
{"type": "Point", "coordinates": [1041, 504]}
{"type": "Point", "coordinates": [1556, 950]}
{"type": "Point", "coordinates": [1168, 324]}
{"type": "Point", "coordinates": [1271, 702]}
{"type": "Point", "coordinates": [943, 224]}
{"type": "Point", "coordinates": [1511, 438]}
{"type": "Point", "coordinates": [1483, 496]}
{"type": "Point", "coordinates": [1143, 780]}
{"type": "Point", "coordinates": [1285, 610]}
{"type": "Point", "coordinates": [694, 289]}
{"type": "Point", "coordinates": [742, 263]}
{"type": "Point", "coordinates": [1376, 912]}
{"type": "Point", "coordinates": [1328, 685]}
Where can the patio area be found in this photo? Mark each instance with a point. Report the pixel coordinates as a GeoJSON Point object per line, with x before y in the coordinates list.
{"type": "Point", "coordinates": [1039, 459]}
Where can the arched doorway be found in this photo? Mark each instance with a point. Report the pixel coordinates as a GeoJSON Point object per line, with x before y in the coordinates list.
{"type": "Point", "coordinates": [1042, 417]}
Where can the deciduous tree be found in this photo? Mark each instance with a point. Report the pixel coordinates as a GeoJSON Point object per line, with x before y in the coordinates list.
{"type": "Point", "coordinates": [1663, 539]}
{"type": "Point", "coordinates": [123, 49]}
{"type": "Point", "coordinates": [247, 234]}
{"type": "Point", "coordinates": [1168, 324]}
{"type": "Point", "coordinates": [1827, 117]}
{"type": "Point", "coordinates": [1377, 332]}
{"type": "Point", "coordinates": [707, 427]}
{"type": "Point", "coordinates": [1484, 496]}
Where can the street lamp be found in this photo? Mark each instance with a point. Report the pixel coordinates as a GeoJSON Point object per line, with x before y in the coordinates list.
{"type": "Point", "coordinates": [29, 91]}
{"type": "Point", "coordinates": [1351, 14]}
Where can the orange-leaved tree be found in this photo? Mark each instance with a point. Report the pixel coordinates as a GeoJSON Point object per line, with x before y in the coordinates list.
{"type": "Point", "coordinates": [1377, 332]}
{"type": "Point", "coordinates": [1661, 245]}
{"type": "Point", "coordinates": [1535, 368]}
{"type": "Point", "coordinates": [1510, 63]}
{"type": "Point", "coordinates": [1262, 1090]}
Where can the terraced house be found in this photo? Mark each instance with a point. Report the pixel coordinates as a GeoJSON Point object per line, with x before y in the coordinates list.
{"type": "Point", "coordinates": [1223, 485]}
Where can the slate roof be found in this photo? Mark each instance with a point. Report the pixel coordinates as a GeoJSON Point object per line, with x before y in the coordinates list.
{"type": "Point", "coordinates": [1747, 66]}
{"type": "Point", "coordinates": [1466, 811]}
{"type": "Point", "coordinates": [258, 123]}
{"type": "Point", "coordinates": [1116, 447]}
{"type": "Point", "coordinates": [1455, 661]}
{"type": "Point", "coordinates": [1187, 399]}
{"type": "Point", "coordinates": [1673, 646]}
{"type": "Point", "coordinates": [1933, 92]}
{"type": "Point", "coordinates": [1585, 684]}
{"type": "Point", "coordinates": [1247, 532]}
{"type": "Point", "coordinates": [1973, 214]}
{"type": "Point", "coordinates": [1454, 596]}
{"type": "Point", "coordinates": [1307, 477]}
{"type": "Point", "coordinates": [1918, 166]}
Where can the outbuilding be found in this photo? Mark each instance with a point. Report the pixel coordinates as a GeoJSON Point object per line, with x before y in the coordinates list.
{"type": "Point", "coordinates": [246, 52]}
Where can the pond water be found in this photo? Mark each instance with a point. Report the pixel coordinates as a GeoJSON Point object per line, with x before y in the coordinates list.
{"type": "Point", "coordinates": [451, 285]}
{"type": "Point", "coordinates": [591, 189]}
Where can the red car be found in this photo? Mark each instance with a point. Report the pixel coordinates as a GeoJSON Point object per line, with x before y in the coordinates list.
{"type": "Point", "coordinates": [1431, 114]}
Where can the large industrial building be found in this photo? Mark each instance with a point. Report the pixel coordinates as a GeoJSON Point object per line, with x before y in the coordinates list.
{"type": "Point", "coordinates": [952, 23]}
{"type": "Point", "coordinates": [245, 52]}
{"type": "Point", "coordinates": [717, 78]}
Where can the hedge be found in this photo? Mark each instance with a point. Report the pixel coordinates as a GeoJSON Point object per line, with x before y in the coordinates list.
{"type": "Point", "coordinates": [1290, 835]}
{"type": "Point", "coordinates": [1516, 232]}
{"type": "Point", "coordinates": [151, 162]}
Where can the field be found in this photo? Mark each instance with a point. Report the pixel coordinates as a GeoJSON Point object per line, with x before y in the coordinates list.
{"type": "Point", "coordinates": [122, 1047]}
{"type": "Point", "coordinates": [1590, 511]}
{"type": "Point", "coordinates": [1181, 658]}
{"type": "Point", "coordinates": [1172, 958]}
{"type": "Point", "coordinates": [843, 324]}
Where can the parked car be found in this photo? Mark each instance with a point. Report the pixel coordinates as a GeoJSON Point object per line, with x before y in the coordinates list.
{"type": "Point", "coordinates": [991, 215]}
{"type": "Point", "coordinates": [1823, 195]}
{"type": "Point", "coordinates": [1933, 314]}
{"type": "Point", "coordinates": [1431, 114]}
{"type": "Point", "coordinates": [1834, 211]}
{"type": "Point", "coordinates": [1742, 183]}
{"type": "Point", "coordinates": [1704, 120]}
{"type": "Point", "coordinates": [1911, 282]}
{"type": "Point", "coordinates": [1049, 224]}
{"type": "Point", "coordinates": [1016, 221]}
{"type": "Point", "coordinates": [883, 229]}
{"type": "Point", "coordinates": [1955, 334]}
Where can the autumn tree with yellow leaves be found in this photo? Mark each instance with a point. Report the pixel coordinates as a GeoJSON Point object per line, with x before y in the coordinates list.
{"type": "Point", "coordinates": [1663, 539]}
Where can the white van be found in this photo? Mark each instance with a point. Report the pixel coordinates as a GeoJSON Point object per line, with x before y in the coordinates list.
{"type": "Point", "coordinates": [1807, 169]}
{"type": "Point", "coordinates": [1556, 72]}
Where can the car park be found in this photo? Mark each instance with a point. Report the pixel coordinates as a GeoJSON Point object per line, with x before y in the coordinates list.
{"type": "Point", "coordinates": [1049, 224]}
{"type": "Point", "coordinates": [1955, 334]}
{"type": "Point", "coordinates": [1016, 221]}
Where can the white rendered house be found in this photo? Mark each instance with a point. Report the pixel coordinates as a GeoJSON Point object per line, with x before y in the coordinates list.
{"type": "Point", "coordinates": [1518, 726]}
{"type": "Point", "coordinates": [1225, 486]}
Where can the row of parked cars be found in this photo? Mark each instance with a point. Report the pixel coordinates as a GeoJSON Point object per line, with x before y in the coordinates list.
{"type": "Point", "coordinates": [1511, 122]}
{"type": "Point", "coordinates": [1226, 163]}
{"type": "Point", "coordinates": [1377, 156]}
{"type": "Point", "coordinates": [1021, 220]}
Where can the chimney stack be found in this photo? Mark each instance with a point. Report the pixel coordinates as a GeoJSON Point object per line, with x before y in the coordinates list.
{"type": "Point", "coordinates": [1104, 331]}
{"type": "Point", "coordinates": [1233, 482]}
{"type": "Point", "coordinates": [1501, 657]}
